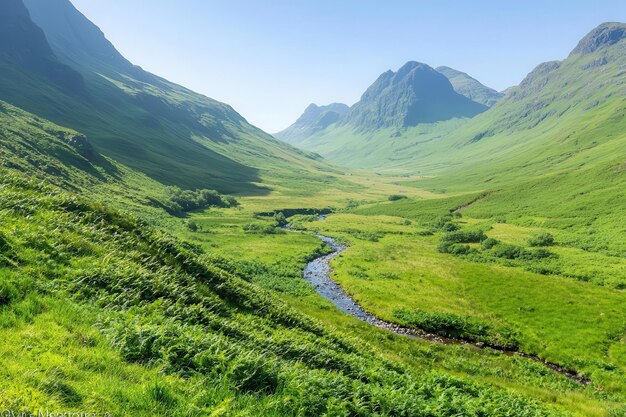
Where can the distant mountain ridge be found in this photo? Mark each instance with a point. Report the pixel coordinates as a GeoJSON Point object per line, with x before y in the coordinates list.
{"type": "Point", "coordinates": [564, 114]}
{"type": "Point", "coordinates": [415, 94]}
{"type": "Point", "coordinates": [314, 119]}
{"type": "Point", "coordinates": [470, 87]}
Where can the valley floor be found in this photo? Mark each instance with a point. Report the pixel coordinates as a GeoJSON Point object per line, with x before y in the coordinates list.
{"type": "Point", "coordinates": [393, 268]}
{"type": "Point", "coordinates": [94, 333]}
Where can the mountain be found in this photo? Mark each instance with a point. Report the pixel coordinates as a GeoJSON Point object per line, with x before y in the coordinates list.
{"type": "Point", "coordinates": [167, 132]}
{"type": "Point", "coordinates": [604, 35]}
{"type": "Point", "coordinates": [76, 39]}
{"type": "Point", "coordinates": [470, 87]}
{"type": "Point", "coordinates": [564, 114]}
{"type": "Point", "coordinates": [313, 120]}
{"type": "Point", "coordinates": [23, 46]}
{"type": "Point", "coordinates": [413, 95]}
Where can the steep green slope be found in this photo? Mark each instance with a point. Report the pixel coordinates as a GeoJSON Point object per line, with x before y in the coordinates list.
{"type": "Point", "coordinates": [43, 150]}
{"type": "Point", "coordinates": [56, 155]}
{"type": "Point", "coordinates": [563, 116]}
{"type": "Point", "coordinates": [23, 43]}
{"type": "Point", "coordinates": [470, 87]}
{"type": "Point", "coordinates": [173, 135]}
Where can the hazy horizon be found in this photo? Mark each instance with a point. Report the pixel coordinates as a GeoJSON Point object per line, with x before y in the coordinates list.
{"type": "Point", "coordinates": [323, 52]}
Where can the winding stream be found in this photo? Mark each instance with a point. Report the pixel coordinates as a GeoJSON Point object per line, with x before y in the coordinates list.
{"type": "Point", "coordinates": [318, 274]}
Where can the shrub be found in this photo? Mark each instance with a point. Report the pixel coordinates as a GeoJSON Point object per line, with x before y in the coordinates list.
{"type": "Point", "coordinates": [464, 236]}
{"type": "Point", "coordinates": [507, 251]}
{"type": "Point", "coordinates": [489, 243]}
{"type": "Point", "coordinates": [542, 254]}
{"type": "Point", "coordinates": [181, 201]}
{"type": "Point", "coordinates": [459, 249]}
{"type": "Point", "coordinates": [280, 219]}
{"type": "Point", "coordinates": [543, 270]}
{"type": "Point", "coordinates": [425, 232]}
{"type": "Point", "coordinates": [541, 239]}
{"type": "Point", "coordinates": [451, 242]}
{"type": "Point", "coordinates": [369, 236]}
{"type": "Point", "coordinates": [454, 248]}
{"type": "Point", "coordinates": [449, 227]}
{"type": "Point", "coordinates": [352, 204]}
{"type": "Point", "coordinates": [230, 201]}
{"type": "Point", "coordinates": [263, 229]}
{"type": "Point", "coordinates": [441, 221]}
{"type": "Point", "coordinates": [453, 326]}
{"type": "Point", "coordinates": [396, 197]}
{"type": "Point", "coordinates": [193, 226]}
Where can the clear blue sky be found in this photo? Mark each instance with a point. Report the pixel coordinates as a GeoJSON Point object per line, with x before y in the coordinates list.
{"type": "Point", "coordinates": [270, 58]}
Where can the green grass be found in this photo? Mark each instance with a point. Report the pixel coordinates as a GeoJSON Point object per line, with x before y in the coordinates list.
{"type": "Point", "coordinates": [214, 339]}
{"type": "Point", "coordinates": [569, 322]}
{"type": "Point", "coordinates": [385, 283]}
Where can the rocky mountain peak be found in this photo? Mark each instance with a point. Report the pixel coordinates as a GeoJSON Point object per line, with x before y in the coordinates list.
{"type": "Point", "coordinates": [604, 35]}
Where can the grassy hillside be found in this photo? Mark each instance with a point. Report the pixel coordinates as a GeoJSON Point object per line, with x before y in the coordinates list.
{"type": "Point", "coordinates": [171, 134]}
{"type": "Point", "coordinates": [583, 211]}
{"type": "Point", "coordinates": [384, 150]}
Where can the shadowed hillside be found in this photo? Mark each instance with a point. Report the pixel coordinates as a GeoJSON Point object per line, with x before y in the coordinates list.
{"type": "Point", "coordinates": [172, 134]}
